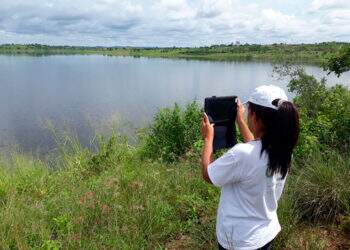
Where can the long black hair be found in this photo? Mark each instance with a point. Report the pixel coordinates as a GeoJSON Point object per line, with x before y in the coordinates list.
{"type": "Point", "coordinates": [280, 133]}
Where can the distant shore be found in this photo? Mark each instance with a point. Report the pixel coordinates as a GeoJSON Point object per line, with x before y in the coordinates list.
{"type": "Point", "coordinates": [278, 53]}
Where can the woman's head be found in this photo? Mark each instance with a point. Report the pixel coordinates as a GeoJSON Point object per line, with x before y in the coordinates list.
{"type": "Point", "coordinates": [276, 121]}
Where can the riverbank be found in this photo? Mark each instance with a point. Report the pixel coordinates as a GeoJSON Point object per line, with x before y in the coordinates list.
{"type": "Point", "coordinates": [277, 53]}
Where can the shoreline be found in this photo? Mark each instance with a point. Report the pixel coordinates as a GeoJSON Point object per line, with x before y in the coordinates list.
{"type": "Point", "coordinates": [312, 54]}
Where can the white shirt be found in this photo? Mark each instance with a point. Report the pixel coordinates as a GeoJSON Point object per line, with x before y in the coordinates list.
{"type": "Point", "coordinates": [247, 212]}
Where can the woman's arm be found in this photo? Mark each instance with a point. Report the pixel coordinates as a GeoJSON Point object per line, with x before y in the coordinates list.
{"type": "Point", "coordinates": [208, 137]}
{"type": "Point", "coordinates": [242, 125]}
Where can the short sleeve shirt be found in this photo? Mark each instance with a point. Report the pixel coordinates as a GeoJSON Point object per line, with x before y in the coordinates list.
{"type": "Point", "coordinates": [247, 212]}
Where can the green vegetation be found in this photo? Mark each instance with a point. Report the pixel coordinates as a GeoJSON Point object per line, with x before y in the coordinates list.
{"type": "Point", "coordinates": [151, 196]}
{"type": "Point", "coordinates": [340, 62]}
{"type": "Point", "coordinates": [296, 53]}
{"type": "Point", "coordinates": [321, 192]}
{"type": "Point", "coordinates": [112, 199]}
{"type": "Point", "coordinates": [173, 133]}
{"type": "Point", "coordinates": [325, 113]}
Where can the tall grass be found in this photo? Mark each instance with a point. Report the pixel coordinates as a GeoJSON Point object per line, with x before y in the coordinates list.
{"type": "Point", "coordinates": [321, 191]}
{"type": "Point", "coordinates": [111, 199]}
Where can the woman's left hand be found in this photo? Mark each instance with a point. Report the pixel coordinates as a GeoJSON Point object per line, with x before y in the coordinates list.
{"type": "Point", "coordinates": [240, 111]}
{"type": "Point", "coordinates": [207, 129]}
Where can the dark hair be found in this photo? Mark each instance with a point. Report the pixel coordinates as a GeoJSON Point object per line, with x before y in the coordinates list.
{"type": "Point", "coordinates": [280, 134]}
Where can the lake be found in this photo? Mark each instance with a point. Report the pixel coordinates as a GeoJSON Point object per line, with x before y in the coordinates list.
{"type": "Point", "coordinates": [86, 95]}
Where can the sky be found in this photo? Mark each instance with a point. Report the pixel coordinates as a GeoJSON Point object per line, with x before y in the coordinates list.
{"type": "Point", "coordinates": [173, 22]}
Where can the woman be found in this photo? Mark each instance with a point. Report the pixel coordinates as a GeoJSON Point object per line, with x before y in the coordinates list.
{"type": "Point", "coordinates": [251, 175]}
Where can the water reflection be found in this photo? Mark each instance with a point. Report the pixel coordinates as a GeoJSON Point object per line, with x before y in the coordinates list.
{"type": "Point", "coordinates": [85, 93]}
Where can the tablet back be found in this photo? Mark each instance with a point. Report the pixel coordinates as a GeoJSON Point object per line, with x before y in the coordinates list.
{"type": "Point", "coordinates": [222, 112]}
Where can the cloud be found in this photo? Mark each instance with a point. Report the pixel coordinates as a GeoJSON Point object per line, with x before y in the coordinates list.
{"type": "Point", "coordinates": [329, 4]}
{"type": "Point", "coordinates": [172, 22]}
{"type": "Point", "coordinates": [82, 19]}
{"type": "Point", "coordinates": [279, 24]}
{"type": "Point", "coordinates": [174, 10]}
{"type": "Point", "coordinates": [214, 8]}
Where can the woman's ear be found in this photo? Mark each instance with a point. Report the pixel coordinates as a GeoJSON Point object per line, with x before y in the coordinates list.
{"type": "Point", "coordinates": [258, 124]}
{"type": "Point", "coordinates": [254, 123]}
{"type": "Point", "coordinates": [251, 115]}
{"type": "Point", "coordinates": [251, 120]}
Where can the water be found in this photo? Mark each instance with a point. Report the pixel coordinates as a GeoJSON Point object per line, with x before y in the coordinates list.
{"type": "Point", "coordinates": [85, 94]}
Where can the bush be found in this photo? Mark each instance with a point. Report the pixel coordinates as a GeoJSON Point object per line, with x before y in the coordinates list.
{"type": "Point", "coordinates": [320, 186]}
{"type": "Point", "coordinates": [173, 132]}
{"type": "Point", "coordinates": [111, 152]}
{"type": "Point", "coordinates": [339, 62]}
{"type": "Point", "coordinates": [322, 165]}
{"type": "Point", "coordinates": [325, 113]}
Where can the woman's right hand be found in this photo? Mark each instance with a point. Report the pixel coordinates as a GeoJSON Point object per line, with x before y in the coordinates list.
{"type": "Point", "coordinates": [240, 111]}
{"type": "Point", "coordinates": [207, 129]}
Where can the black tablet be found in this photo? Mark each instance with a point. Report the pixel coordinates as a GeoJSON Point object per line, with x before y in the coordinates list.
{"type": "Point", "coordinates": [222, 112]}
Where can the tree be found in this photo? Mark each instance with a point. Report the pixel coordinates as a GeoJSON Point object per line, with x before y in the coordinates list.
{"type": "Point", "coordinates": [338, 63]}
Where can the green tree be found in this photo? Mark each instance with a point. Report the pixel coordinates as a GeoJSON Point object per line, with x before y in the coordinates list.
{"type": "Point", "coordinates": [339, 63]}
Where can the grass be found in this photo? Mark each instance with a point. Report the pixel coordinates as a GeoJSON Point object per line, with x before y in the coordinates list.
{"type": "Point", "coordinates": [117, 199]}
{"type": "Point", "coordinates": [321, 191]}
{"type": "Point", "coordinates": [113, 202]}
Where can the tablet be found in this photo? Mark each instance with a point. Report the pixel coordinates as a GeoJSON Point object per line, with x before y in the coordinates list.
{"type": "Point", "coordinates": [222, 112]}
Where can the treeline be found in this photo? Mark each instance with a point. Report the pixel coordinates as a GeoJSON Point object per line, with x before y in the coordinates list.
{"type": "Point", "coordinates": [298, 53]}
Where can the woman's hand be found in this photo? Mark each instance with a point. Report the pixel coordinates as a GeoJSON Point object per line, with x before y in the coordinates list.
{"type": "Point", "coordinates": [242, 125]}
{"type": "Point", "coordinates": [207, 129]}
{"type": "Point", "coordinates": [208, 136]}
{"type": "Point", "coordinates": [240, 111]}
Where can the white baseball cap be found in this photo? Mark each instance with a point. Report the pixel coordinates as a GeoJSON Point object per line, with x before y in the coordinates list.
{"type": "Point", "coordinates": [264, 95]}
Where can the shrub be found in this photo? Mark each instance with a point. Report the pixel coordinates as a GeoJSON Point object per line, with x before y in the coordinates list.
{"type": "Point", "coordinates": [173, 132]}
{"type": "Point", "coordinates": [111, 152]}
{"type": "Point", "coordinates": [325, 113]}
{"type": "Point", "coordinates": [320, 190]}
{"type": "Point", "coordinates": [339, 62]}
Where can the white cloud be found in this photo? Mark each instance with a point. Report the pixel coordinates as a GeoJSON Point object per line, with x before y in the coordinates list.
{"type": "Point", "coordinates": [215, 8]}
{"type": "Point", "coordinates": [329, 4]}
{"type": "Point", "coordinates": [281, 23]}
{"type": "Point", "coordinates": [174, 9]}
{"type": "Point", "coordinates": [171, 22]}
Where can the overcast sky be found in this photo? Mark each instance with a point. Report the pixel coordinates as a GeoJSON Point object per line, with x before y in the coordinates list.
{"type": "Point", "coordinates": [173, 22]}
